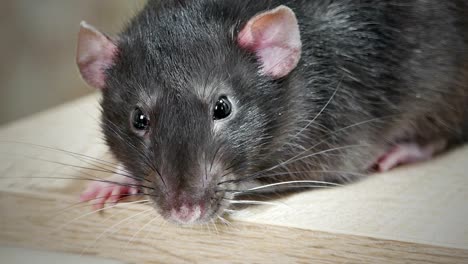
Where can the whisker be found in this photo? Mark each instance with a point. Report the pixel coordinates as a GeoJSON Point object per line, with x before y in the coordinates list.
{"type": "Point", "coordinates": [253, 202]}
{"type": "Point", "coordinates": [145, 158]}
{"type": "Point", "coordinates": [83, 179]}
{"type": "Point", "coordinates": [112, 227]}
{"type": "Point", "coordinates": [289, 161]}
{"type": "Point", "coordinates": [294, 182]}
{"type": "Point", "coordinates": [119, 201]}
{"type": "Point", "coordinates": [325, 151]}
{"type": "Point", "coordinates": [207, 227]}
{"type": "Point", "coordinates": [226, 174]}
{"type": "Point", "coordinates": [111, 167]}
{"type": "Point", "coordinates": [156, 217]}
{"type": "Point", "coordinates": [214, 225]}
{"type": "Point", "coordinates": [314, 171]}
{"type": "Point", "coordinates": [76, 166]}
{"type": "Point", "coordinates": [322, 140]}
{"type": "Point", "coordinates": [322, 110]}
{"type": "Point", "coordinates": [224, 221]}
{"type": "Point", "coordinates": [71, 153]}
{"type": "Point", "coordinates": [161, 226]}
{"type": "Point", "coordinates": [93, 212]}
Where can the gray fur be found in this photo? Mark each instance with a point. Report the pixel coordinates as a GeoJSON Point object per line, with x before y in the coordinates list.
{"type": "Point", "coordinates": [379, 72]}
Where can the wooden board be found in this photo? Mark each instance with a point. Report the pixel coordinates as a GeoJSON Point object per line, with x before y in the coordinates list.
{"type": "Point", "coordinates": [417, 214]}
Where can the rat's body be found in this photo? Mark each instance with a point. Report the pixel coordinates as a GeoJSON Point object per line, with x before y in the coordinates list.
{"type": "Point", "coordinates": [363, 85]}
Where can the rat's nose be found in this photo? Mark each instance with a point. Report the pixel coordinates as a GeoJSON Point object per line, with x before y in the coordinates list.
{"type": "Point", "coordinates": [187, 213]}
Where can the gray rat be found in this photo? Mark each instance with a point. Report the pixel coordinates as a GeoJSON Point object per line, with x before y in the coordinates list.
{"type": "Point", "coordinates": [203, 100]}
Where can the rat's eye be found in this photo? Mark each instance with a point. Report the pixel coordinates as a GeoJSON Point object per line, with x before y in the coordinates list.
{"type": "Point", "coordinates": [222, 108]}
{"type": "Point", "coordinates": [140, 120]}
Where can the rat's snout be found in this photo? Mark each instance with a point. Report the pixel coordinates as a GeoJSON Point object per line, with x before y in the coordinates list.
{"type": "Point", "coordinates": [186, 209]}
{"type": "Point", "coordinates": [186, 214]}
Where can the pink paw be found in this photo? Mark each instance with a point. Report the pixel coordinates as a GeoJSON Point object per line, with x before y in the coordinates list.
{"type": "Point", "coordinates": [406, 154]}
{"type": "Point", "coordinates": [112, 190]}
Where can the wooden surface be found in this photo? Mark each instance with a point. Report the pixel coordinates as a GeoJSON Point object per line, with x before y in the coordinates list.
{"type": "Point", "coordinates": [417, 214]}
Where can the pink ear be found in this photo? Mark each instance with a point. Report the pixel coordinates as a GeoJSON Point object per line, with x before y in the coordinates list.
{"type": "Point", "coordinates": [95, 54]}
{"type": "Point", "coordinates": [274, 36]}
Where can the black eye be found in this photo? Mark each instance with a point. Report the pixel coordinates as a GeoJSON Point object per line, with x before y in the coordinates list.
{"type": "Point", "coordinates": [222, 108]}
{"type": "Point", "coordinates": [140, 120]}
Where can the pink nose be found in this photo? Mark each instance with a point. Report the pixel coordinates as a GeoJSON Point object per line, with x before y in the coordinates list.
{"type": "Point", "coordinates": [186, 213]}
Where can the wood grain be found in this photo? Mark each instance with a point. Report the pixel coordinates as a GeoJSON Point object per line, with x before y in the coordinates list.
{"type": "Point", "coordinates": [416, 214]}
{"type": "Point", "coordinates": [37, 221]}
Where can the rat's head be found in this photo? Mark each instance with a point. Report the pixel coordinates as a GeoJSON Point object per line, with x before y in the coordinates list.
{"type": "Point", "coordinates": [189, 108]}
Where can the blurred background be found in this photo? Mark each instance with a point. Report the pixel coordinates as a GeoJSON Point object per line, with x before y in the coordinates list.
{"type": "Point", "coordinates": [37, 48]}
{"type": "Point", "coordinates": [37, 69]}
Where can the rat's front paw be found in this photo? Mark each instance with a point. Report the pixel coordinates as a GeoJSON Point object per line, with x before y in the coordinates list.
{"type": "Point", "coordinates": [408, 153]}
{"type": "Point", "coordinates": [109, 190]}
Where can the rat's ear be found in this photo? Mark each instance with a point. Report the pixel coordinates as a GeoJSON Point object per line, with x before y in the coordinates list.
{"type": "Point", "coordinates": [275, 38]}
{"type": "Point", "coordinates": [94, 55]}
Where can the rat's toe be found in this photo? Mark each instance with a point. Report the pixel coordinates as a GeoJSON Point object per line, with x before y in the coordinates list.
{"type": "Point", "coordinates": [101, 198]}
